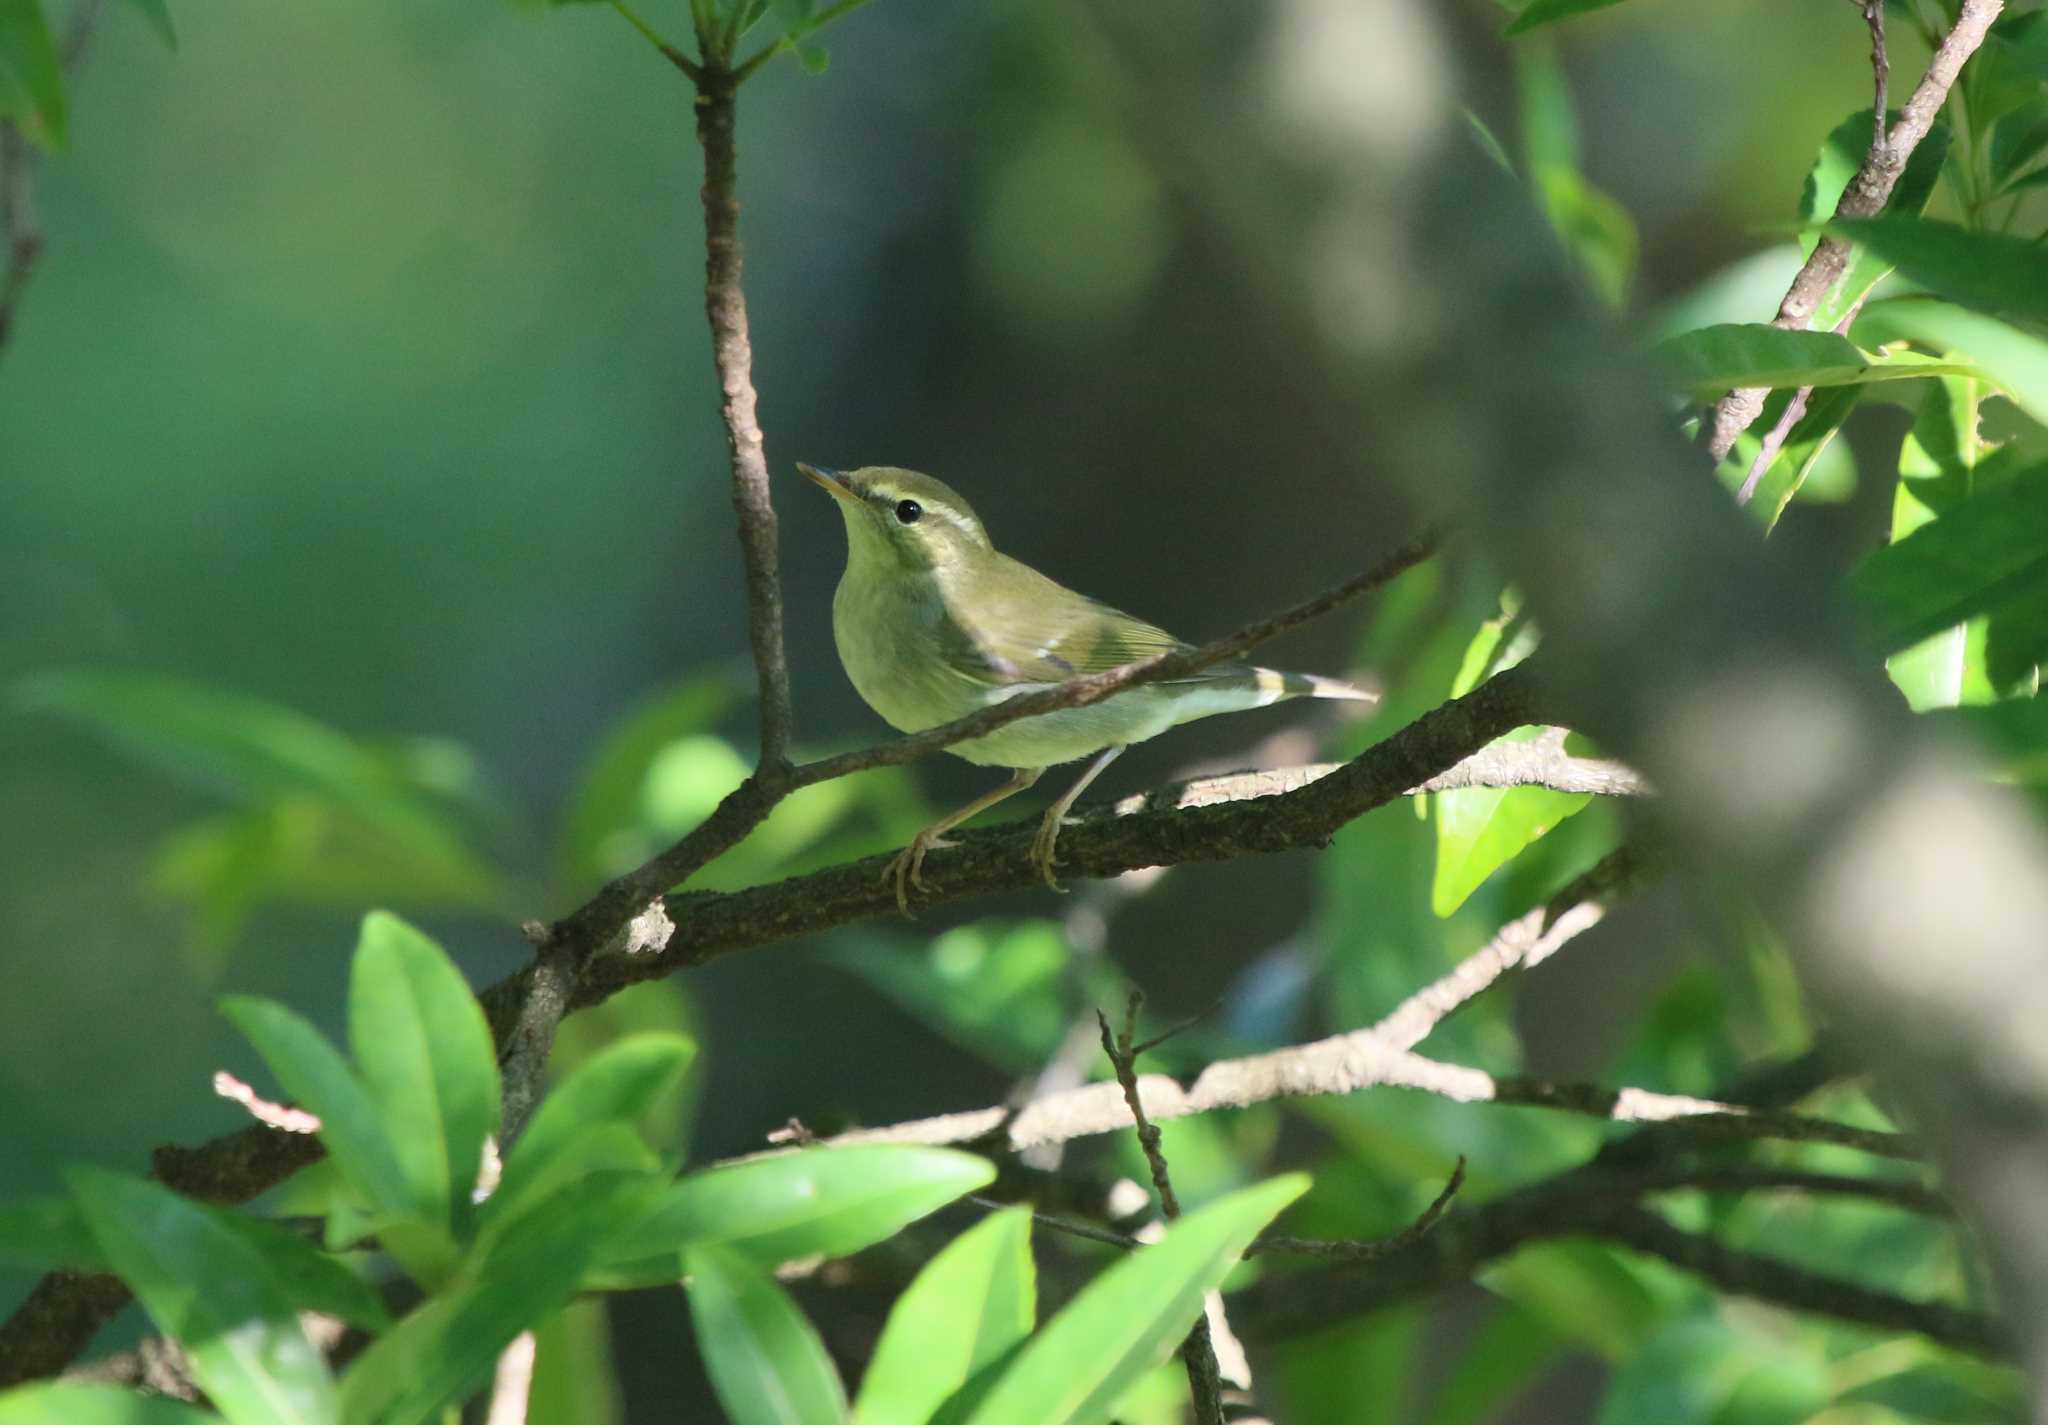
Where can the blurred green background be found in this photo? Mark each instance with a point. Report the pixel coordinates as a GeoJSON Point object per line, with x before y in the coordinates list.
{"type": "Point", "coordinates": [365, 373]}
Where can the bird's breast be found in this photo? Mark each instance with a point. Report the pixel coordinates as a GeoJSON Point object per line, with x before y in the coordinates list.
{"type": "Point", "coordinates": [889, 637]}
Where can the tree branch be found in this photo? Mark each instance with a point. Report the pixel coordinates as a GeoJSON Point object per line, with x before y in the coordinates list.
{"type": "Point", "coordinates": [593, 924]}
{"type": "Point", "coordinates": [67, 1309]}
{"type": "Point", "coordinates": [1866, 194]}
{"type": "Point", "coordinates": [725, 308]}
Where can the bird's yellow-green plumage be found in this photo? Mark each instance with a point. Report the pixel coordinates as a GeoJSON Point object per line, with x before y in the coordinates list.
{"type": "Point", "coordinates": [934, 623]}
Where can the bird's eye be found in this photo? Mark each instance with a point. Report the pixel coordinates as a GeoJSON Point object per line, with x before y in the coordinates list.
{"type": "Point", "coordinates": [909, 511]}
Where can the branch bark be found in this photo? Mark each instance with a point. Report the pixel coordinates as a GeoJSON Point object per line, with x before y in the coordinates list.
{"type": "Point", "coordinates": [1866, 194]}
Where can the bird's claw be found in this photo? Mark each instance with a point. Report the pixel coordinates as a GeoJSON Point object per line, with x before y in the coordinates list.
{"type": "Point", "coordinates": [907, 870]}
{"type": "Point", "coordinates": [1044, 847]}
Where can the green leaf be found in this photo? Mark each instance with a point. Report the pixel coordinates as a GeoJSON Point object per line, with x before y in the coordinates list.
{"type": "Point", "coordinates": [310, 1278]}
{"type": "Point", "coordinates": [1735, 354]}
{"type": "Point", "coordinates": [1128, 1319]}
{"type": "Point", "coordinates": [43, 1233]}
{"type": "Point", "coordinates": [31, 73]}
{"type": "Point", "coordinates": [970, 1305]}
{"type": "Point", "coordinates": [1992, 547]}
{"type": "Point", "coordinates": [1937, 464]}
{"type": "Point", "coordinates": [446, 1346]}
{"type": "Point", "coordinates": [820, 1200]}
{"type": "Point", "coordinates": [2018, 140]}
{"type": "Point", "coordinates": [2016, 361]}
{"type": "Point", "coordinates": [598, 838]}
{"type": "Point", "coordinates": [1595, 229]}
{"type": "Point", "coordinates": [67, 1403]}
{"type": "Point", "coordinates": [2006, 276]}
{"type": "Point", "coordinates": [1548, 12]}
{"type": "Point", "coordinates": [765, 1360]}
{"type": "Point", "coordinates": [209, 1288]}
{"type": "Point", "coordinates": [158, 13]}
{"type": "Point", "coordinates": [425, 1055]}
{"type": "Point", "coordinates": [614, 1087]}
{"type": "Point", "coordinates": [2013, 732]}
{"type": "Point", "coordinates": [313, 1074]}
{"type": "Point", "coordinates": [1480, 829]}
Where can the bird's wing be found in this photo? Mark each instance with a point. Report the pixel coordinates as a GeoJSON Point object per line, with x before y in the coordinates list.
{"type": "Point", "coordinates": [1025, 628]}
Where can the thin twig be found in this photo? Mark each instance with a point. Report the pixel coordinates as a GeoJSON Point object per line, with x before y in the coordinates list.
{"type": "Point", "coordinates": [1198, 1351]}
{"type": "Point", "coordinates": [725, 308]}
{"type": "Point", "coordinates": [18, 228]}
{"type": "Point", "coordinates": [1366, 1251]}
{"type": "Point", "coordinates": [1868, 191]}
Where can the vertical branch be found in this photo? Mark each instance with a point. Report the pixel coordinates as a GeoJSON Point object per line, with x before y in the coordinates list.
{"type": "Point", "coordinates": [18, 229]}
{"type": "Point", "coordinates": [1198, 1350]}
{"type": "Point", "coordinates": [725, 307]}
{"type": "Point", "coordinates": [1866, 195]}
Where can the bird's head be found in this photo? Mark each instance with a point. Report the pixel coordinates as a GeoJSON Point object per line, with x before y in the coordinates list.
{"type": "Point", "coordinates": [901, 519]}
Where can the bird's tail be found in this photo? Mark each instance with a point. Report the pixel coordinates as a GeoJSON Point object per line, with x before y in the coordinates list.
{"type": "Point", "coordinates": [1311, 685]}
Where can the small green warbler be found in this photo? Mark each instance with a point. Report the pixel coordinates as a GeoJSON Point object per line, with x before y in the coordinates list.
{"type": "Point", "coordinates": [933, 623]}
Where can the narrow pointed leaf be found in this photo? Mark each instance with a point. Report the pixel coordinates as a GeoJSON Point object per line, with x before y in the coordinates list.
{"type": "Point", "coordinates": [2016, 361]}
{"type": "Point", "coordinates": [1971, 560]}
{"type": "Point", "coordinates": [312, 1072]}
{"type": "Point", "coordinates": [1718, 358]}
{"type": "Point", "coordinates": [765, 1360]}
{"type": "Point", "coordinates": [425, 1056]}
{"type": "Point", "coordinates": [71, 1403]}
{"type": "Point", "coordinates": [1989, 271]}
{"type": "Point", "coordinates": [617, 1085]}
{"type": "Point", "coordinates": [824, 1200]}
{"type": "Point", "coordinates": [209, 1288]}
{"type": "Point", "coordinates": [446, 1346]}
{"type": "Point", "coordinates": [1128, 1319]}
{"type": "Point", "coordinates": [972, 1303]}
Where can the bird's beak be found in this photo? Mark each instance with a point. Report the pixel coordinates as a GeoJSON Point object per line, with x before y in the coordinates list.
{"type": "Point", "coordinates": [832, 482]}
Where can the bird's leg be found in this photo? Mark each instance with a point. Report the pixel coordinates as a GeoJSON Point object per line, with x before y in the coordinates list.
{"type": "Point", "coordinates": [908, 867]}
{"type": "Point", "coordinates": [1049, 829]}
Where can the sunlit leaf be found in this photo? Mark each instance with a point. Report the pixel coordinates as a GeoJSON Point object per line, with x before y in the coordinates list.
{"type": "Point", "coordinates": [1993, 272]}
{"type": "Point", "coordinates": [2014, 360]}
{"type": "Point", "coordinates": [214, 1291]}
{"type": "Point", "coordinates": [426, 1059]}
{"type": "Point", "coordinates": [606, 803]}
{"type": "Point", "coordinates": [765, 1360]}
{"type": "Point", "coordinates": [972, 1303]}
{"type": "Point", "coordinates": [447, 1345]}
{"type": "Point", "coordinates": [1123, 1323]}
{"type": "Point", "coordinates": [822, 1200]}
{"type": "Point", "coordinates": [1719, 358]}
{"type": "Point", "coordinates": [1991, 548]}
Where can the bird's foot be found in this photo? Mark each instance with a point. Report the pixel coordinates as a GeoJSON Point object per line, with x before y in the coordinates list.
{"type": "Point", "coordinates": [907, 869]}
{"type": "Point", "coordinates": [1044, 845]}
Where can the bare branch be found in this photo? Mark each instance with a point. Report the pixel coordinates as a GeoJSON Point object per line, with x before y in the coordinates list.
{"type": "Point", "coordinates": [1866, 195]}
{"type": "Point", "coordinates": [18, 228]}
{"type": "Point", "coordinates": [1197, 1351]}
{"type": "Point", "coordinates": [725, 307]}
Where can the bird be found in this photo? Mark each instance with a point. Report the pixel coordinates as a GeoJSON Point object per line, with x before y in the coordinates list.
{"type": "Point", "coordinates": [933, 623]}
